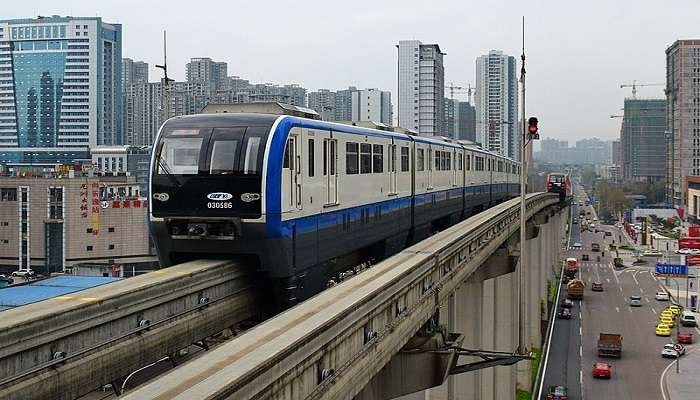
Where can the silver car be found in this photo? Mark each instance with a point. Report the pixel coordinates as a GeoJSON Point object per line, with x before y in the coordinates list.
{"type": "Point", "coordinates": [635, 301]}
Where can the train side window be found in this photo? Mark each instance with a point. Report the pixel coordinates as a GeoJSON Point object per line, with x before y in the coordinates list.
{"type": "Point", "coordinates": [420, 160]}
{"type": "Point", "coordinates": [351, 158]}
{"type": "Point", "coordinates": [289, 155]}
{"type": "Point", "coordinates": [438, 158]}
{"type": "Point", "coordinates": [365, 158]}
{"type": "Point", "coordinates": [469, 162]}
{"type": "Point", "coordinates": [377, 158]}
{"type": "Point", "coordinates": [392, 158]}
{"type": "Point", "coordinates": [404, 159]}
{"type": "Point", "coordinates": [311, 158]}
{"type": "Point", "coordinates": [459, 163]}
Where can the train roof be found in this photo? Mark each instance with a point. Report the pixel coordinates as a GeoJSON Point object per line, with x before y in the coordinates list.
{"type": "Point", "coordinates": [211, 120]}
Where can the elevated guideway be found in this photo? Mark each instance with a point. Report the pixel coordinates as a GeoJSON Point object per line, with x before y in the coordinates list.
{"type": "Point", "coordinates": [350, 341]}
{"type": "Point", "coordinates": [69, 345]}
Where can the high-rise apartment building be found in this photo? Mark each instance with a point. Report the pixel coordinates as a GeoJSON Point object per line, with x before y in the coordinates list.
{"type": "Point", "coordinates": [642, 140]}
{"type": "Point", "coordinates": [60, 88]}
{"type": "Point", "coordinates": [421, 85]}
{"type": "Point", "coordinates": [205, 70]}
{"type": "Point", "coordinates": [323, 102]}
{"type": "Point", "coordinates": [371, 105]}
{"type": "Point", "coordinates": [682, 118]}
{"type": "Point", "coordinates": [143, 113]}
{"type": "Point", "coordinates": [134, 72]}
{"type": "Point", "coordinates": [497, 104]}
{"type": "Point", "coordinates": [616, 153]}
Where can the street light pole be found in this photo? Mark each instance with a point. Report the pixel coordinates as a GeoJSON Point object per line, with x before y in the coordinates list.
{"type": "Point", "coordinates": [523, 183]}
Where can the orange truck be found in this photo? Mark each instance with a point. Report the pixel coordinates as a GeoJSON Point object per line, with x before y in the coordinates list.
{"type": "Point", "coordinates": [574, 289]}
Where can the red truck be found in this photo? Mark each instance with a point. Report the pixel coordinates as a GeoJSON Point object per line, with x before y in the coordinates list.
{"type": "Point", "coordinates": [570, 267]}
{"type": "Point", "coordinates": [610, 345]}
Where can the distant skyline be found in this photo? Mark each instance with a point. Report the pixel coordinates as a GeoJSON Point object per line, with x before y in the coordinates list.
{"type": "Point", "coordinates": [577, 54]}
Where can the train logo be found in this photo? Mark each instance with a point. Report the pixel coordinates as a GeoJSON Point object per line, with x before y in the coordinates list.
{"type": "Point", "coordinates": [161, 196]}
{"type": "Point", "coordinates": [248, 197]}
{"type": "Point", "coordinates": [219, 196]}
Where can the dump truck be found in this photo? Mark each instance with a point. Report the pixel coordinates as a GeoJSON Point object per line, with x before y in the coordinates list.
{"type": "Point", "coordinates": [610, 345]}
{"type": "Point", "coordinates": [574, 289]}
{"type": "Point", "coordinates": [570, 267]}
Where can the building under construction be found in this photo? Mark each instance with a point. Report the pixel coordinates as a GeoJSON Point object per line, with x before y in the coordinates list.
{"type": "Point", "coordinates": [642, 140]}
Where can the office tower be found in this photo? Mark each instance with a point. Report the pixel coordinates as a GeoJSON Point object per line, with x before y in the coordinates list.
{"type": "Point", "coordinates": [496, 102]}
{"type": "Point", "coordinates": [421, 84]}
{"type": "Point", "coordinates": [60, 88]}
{"type": "Point", "coordinates": [466, 122]}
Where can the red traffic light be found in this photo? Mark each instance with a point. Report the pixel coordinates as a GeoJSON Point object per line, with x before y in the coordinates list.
{"type": "Point", "coordinates": [532, 125]}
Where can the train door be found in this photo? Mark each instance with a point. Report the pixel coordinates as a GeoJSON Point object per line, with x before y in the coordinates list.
{"type": "Point", "coordinates": [454, 166]}
{"type": "Point", "coordinates": [330, 169]}
{"type": "Point", "coordinates": [291, 173]}
{"type": "Point", "coordinates": [392, 169]}
{"type": "Point", "coordinates": [429, 167]}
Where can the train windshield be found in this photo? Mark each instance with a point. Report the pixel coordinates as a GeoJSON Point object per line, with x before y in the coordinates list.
{"type": "Point", "coordinates": [556, 178]}
{"type": "Point", "coordinates": [180, 155]}
{"type": "Point", "coordinates": [217, 151]}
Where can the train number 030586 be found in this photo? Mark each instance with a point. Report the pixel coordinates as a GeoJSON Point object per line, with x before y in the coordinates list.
{"type": "Point", "coordinates": [219, 204]}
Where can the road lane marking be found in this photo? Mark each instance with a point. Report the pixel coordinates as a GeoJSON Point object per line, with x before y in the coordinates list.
{"type": "Point", "coordinates": [654, 310]}
{"type": "Point", "coordinates": [620, 287]}
{"type": "Point", "coordinates": [607, 279]}
{"type": "Point", "coordinates": [634, 276]}
{"type": "Point", "coordinates": [647, 299]}
{"type": "Point", "coordinates": [617, 309]}
{"type": "Point", "coordinates": [641, 290]}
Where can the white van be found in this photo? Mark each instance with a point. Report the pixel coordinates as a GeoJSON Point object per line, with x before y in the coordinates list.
{"type": "Point", "coordinates": [688, 319]}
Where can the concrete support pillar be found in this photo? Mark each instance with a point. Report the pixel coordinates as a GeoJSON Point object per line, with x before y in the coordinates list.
{"type": "Point", "coordinates": [506, 333]}
{"type": "Point", "coordinates": [470, 306]}
{"type": "Point", "coordinates": [488, 342]}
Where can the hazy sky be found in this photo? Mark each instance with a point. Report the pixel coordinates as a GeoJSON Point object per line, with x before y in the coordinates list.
{"type": "Point", "coordinates": [578, 53]}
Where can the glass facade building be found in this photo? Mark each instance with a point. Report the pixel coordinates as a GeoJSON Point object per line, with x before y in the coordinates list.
{"type": "Point", "coordinates": [60, 88]}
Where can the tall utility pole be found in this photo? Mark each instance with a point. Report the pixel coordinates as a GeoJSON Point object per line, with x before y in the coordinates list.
{"type": "Point", "coordinates": [165, 94]}
{"type": "Point", "coordinates": [523, 183]}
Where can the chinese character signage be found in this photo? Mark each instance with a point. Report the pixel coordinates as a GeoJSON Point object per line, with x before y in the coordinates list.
{"type": "Point", "coordinates": [95, 206]}
{"type": "Point", "coordinates": [84, 200]}
{"type": "Point", "coordinates": [672, 270]}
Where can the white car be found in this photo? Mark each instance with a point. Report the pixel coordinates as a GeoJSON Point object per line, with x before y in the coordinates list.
{"type": "Point", "coordinates": [662, 296]}
{"type": "Point", "coordinates": [694, 252]}
{"type": "Point", "coordinates": [670, 352]}
{"type": "Point", "coordinates": [683, 251]}
{"type": "Point", "coordinates": [576, 245]}
{"type": "Point", "coordinates": [635, 301]}
{"type": "Point", "coordinates": [23, 272]}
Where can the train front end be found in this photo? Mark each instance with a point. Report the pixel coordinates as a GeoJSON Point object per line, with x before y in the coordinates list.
{"type": "Point", "coordinates": [206, 194]}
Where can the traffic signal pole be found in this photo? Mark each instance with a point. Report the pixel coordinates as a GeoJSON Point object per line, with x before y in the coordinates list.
{"type": "Point", "coordinates": [523, 182]}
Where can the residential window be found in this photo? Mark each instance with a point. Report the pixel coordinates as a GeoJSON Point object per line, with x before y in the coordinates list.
{"type": "Point", "coordinates": [89, 248]}
{"type": "Point", "coordinates": [404, 159]}
{"type": "Point", "coordinates": [88, 230]}
{"type": "Point", "coordinates": [378, 158]}
{"type": "Point", "coordinates": [351, 158]}
{"type": "Point", "coordinates": [111, 247]}
{"type": "Point", "coordinates": [365, 158]}
{"type": "Point", "coordinates": [8, 194]}
{"type": "Point", "coordinates": [110, 229]}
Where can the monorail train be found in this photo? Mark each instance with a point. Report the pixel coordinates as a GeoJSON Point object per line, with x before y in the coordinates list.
{"type": "Point", "coordinates": [559, 183]}
{"type": "Point", "coordinates": [302, 199]}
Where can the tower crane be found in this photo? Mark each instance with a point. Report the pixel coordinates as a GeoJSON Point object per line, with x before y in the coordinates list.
{"type": "Point", "coordinates": [634, 85]}
{"type": "Point", "coordinates": [452, 87]}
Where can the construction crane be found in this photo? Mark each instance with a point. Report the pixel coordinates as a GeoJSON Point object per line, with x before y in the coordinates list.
{"type": "Point", "coordinates": [452, 87]}
{"type": "Point", "coordinates": [635, 84]}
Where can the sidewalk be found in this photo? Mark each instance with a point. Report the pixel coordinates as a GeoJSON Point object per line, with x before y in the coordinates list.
{"type": "Point", "coordinates": [686, 384]}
